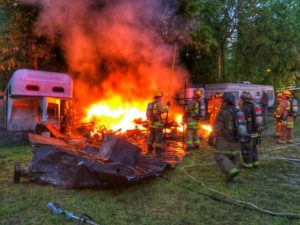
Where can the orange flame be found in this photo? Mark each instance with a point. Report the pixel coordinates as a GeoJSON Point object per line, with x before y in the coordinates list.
{"type": "Point", "coordinates": [178, 119]}
{"type": "Point", "coordinates": [115, 114]}
{"type": "Point", "coordinates": [205, 130]}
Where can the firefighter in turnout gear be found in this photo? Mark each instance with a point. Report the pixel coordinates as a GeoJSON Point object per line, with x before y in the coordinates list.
{"type": "Point", "coordinates": [191, 118]}
{"type": "Point", "coordinates": [224, 138]}
{"type": "Point", "coordinates": [154, 114]}
{"type": "Point", "coordinates": [249, 146]}
{"type": "Point", "coordinates": [278, 122]}
{"type": "Point", "coordinates": [284, 114]}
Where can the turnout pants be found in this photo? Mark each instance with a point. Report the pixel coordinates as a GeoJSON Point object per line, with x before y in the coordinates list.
{"type": "Point", "coordinates": [227, 155]}
{"type": "Point", "coordinates": [287, 131]}
{"type": "Point", "coordinates": [249, 152]}
{"type": "Point", "coordinates": [278, 128]}
{"type": "Point", "coordinates": [155, 137]}
{"type": "Point", "coordinates": [192, 136]}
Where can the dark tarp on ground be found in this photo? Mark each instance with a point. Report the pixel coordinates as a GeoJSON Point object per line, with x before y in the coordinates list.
{"type": "Point", "coordinates": [55, 162]}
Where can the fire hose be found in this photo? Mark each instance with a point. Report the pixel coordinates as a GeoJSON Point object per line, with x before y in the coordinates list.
{"type": "Point", "coordinates": [82, 219]}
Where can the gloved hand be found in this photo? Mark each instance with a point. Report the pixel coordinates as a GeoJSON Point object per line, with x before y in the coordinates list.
{"type": "Point", "coordinates": [168, 103]}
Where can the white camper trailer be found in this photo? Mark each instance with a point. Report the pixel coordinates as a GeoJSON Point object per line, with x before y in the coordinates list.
{"type": "Point", "coordinates": [33, 97]}
{"type": "Point", "coordinates": [237, 89]}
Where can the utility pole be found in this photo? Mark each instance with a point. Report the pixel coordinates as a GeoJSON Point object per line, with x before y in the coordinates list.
{"type": "Point", "coordinates": [219, 66]}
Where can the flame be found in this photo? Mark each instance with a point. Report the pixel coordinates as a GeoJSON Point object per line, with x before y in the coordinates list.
{"type": "Point", "coordinates": [178, 120]}
{"type": "Point", "coordinates": [205, 130]}
{"type": "Point", "coordinates": [115, 114]}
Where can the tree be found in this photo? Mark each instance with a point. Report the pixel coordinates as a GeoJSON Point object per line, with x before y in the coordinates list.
{"type": "Point", "coordinates": [210, 40]}
{"type": "Point", "coordinates": [271, 55]}
{"type": "Point", "coordinates": [255, 40]}
{"type": "Point", "coordinates": [19, 47]}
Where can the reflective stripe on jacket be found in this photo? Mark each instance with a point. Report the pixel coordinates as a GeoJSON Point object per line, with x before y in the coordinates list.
{"type": "Point", "coordinates": [191, 115]}
{"type": "Point", "coordinates": [158, 110]}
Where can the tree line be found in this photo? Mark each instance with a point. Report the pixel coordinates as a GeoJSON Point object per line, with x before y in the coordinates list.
{"type": "Point", "coordinates": [227, 41]}
{"type": "Point", "coordinates": [236, 40]}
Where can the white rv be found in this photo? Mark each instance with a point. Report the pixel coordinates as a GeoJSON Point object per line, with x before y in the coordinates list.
{"type": "Point", "coordinates": [256, 90]}
{"type": "Point", "coordinates": [33, 97]}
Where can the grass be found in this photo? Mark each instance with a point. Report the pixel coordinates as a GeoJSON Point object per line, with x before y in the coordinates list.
{"type": "Point", "coordinates": [173, 198]}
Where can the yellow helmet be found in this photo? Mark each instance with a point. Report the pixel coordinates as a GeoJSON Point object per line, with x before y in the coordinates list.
{"type": "Point", "coordinates": [198, 94]}
{"type": "Point", "coordinates": [287, 93]}
{"type": "Point", "coordinates": [279, 95]}
{"type": "Point", "coordinates": [220, 95]}
{"type": "Point", "coordinates": [158, 94]}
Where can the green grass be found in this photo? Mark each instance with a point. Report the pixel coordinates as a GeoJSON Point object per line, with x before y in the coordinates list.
{"type": "Point", "coordinates": [173, 198]}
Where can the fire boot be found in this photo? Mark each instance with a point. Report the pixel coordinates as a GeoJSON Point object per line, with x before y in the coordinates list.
{"type": "Point", "coordinates": [255, 164]}
{"type": "Point", "coordinates": [248, 165]}
{"type": "Point", "coordinates": [150, 149]}
{"type": "Point", "coordinates": [232, 174]}
{"type": "Point", "coordinates": [197, 147]}
{"type": "Point", "coordinates": [189, 149]}
{"type": "Point", "coordinates": [159, 150]}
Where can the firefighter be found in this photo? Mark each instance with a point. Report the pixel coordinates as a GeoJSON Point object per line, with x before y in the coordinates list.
{"type": "Point", "coordinates": [156, 125]}
{"type": "Point", "coordinates": [277, 120]}
{"type": "Point", "coordinates": [249, 147]}
{"type": "Point", "coordinates": [216, 108]}
{"type": "Point", "coordinates": [191, 118]}
{"type": "Point", "coordinates": [224, 138]}
{"type": "Point", "coordinates": [285, 115]}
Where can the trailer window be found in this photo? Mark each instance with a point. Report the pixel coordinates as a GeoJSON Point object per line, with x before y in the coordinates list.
{"type": "Point", "coordinates": [30, 87]}
{"type": "Point", "coordinates": [58, 89]}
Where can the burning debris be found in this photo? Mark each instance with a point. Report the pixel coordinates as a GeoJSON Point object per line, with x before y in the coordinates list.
{"type": "Point", "coordinates": [117, 61]}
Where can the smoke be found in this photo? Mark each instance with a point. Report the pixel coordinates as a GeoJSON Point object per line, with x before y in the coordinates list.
{"type": "Point", "coordinates": [113, 47]}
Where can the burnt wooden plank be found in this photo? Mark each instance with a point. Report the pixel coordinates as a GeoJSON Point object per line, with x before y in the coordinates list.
{"type": "Point", "coordinates": [38, 139]}
{"type": "Point", "coordinates": [54, 131]}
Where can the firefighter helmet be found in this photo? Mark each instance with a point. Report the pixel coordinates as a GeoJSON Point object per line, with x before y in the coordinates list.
{"type": "Point", "coordinates": [246, 96]}
{"type": "Point", "coordinates": [158, 94]}
{"type": "Point", "coordinates": [287, 93]}
{"type": "Point", "coordinates": [198, 94]}
{"type": "Point", "coordinates": [228, 97]}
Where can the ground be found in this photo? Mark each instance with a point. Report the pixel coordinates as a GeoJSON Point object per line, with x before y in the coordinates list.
{"type": "Point", "coordinates": [179, 196]}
